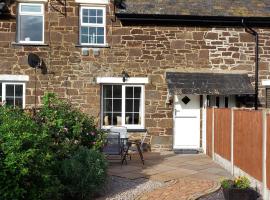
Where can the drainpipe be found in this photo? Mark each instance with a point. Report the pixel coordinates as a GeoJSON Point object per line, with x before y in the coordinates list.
{"type": "Point", "coordinates": [254, 33]}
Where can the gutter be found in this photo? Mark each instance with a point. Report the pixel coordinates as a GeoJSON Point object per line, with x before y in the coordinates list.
{"type": "Point", "coordinates": [191, 20]}
{"type": "Point", "coordinates": [256, 35]}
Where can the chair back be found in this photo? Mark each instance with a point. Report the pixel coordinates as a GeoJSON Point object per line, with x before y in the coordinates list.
{"type": "Point", "coordinates": [122, 130]}
{"type": "Point", "coordinates": [112, 144]}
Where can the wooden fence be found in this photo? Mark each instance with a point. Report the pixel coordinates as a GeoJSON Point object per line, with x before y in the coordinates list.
{"type": "Point", "coordinates": [238, 139]}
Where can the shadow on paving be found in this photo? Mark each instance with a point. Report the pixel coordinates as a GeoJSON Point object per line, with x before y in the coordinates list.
{"type": "Point", "coordinates": [163, 167]}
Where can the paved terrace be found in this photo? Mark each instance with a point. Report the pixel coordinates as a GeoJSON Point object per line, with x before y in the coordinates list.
{"type": "Point", "coordinates": [189, 176]}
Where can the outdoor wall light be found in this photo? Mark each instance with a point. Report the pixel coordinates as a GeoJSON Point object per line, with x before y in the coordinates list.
{"type": "Point", "coordinates": [125, 75]}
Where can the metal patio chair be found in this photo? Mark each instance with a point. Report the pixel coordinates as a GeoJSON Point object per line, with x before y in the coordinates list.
{"type": "Point", "coordinates": [114, 146]}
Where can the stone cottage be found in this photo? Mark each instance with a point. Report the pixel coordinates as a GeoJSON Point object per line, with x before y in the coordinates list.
{"type": "Point", "coordinates": [147, 65]}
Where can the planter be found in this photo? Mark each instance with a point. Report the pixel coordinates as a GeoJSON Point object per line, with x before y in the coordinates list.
{"type": "Point", "coordinates": [243, 194]}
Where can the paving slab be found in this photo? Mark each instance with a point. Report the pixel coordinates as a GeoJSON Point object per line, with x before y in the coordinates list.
{"type": "Point", "coordinates": [195, 174]}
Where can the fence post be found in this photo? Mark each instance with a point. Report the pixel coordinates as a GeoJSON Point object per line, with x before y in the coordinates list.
{"type": "Point", "coordinates": [264, 149]}
{"type": "Point", "coordinates": [232, 140]}
{"type": "Point", "coordinates": [213, 133]}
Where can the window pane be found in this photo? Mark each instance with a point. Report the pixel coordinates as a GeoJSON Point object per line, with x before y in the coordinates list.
{"type": "Point", "coordinates": [99, 20]}
{"type": "Point", "coordinates": [136, 105]}
{"type": "Point", "coordinates": [129, 92]}
{"type": "Point", "coordinates": [84, 30]}
{"type": "Point", "coordinates": [18, 102]}
{"type": "Point", "coordinates": [93, 12]}
{"type": "Point", "coordinates": [107, 119]}
{"type": "Point", "coordinates": [92, 31]}
{"type": "Point", "coordinates": [84, 39]}
{"type": "Point", "coordinates": [137, 92]}
{"type": "Point", "coordinates": [129, 105]}
{"type": "Point", "coordinates": [117, 119]}
{"type": "Point", "coordinates": [31, 8]}
{"type": "Point", "coordinates": [107, 105]}
{"type": "Point", "coordinates": [100, 31]}
{"type": "Point", "coordinates": [107, 91]}
{"type": "Point", "coordinates": [18, 90]}
{"type": "Point", "coordinates": [31, 28]}
{"type": "Point", "coordinates": [117, 105]}
{"type": "Point", "coordinates": [10, 90]}
{"type": "Point", "coordinates": [100, 40]}
{"type": "Point", "coordinates": [85, 12]}
{"type": "Point", "coordinates": [99, 12]}
{"type": "Point", "coordinates": [136, 118]}
{"type": "Point", "coordinates": [10, 101]}
{"type": "Point", "coordinates": [117, 91]}
{"type": "Point", "coordinates": [129, 118]}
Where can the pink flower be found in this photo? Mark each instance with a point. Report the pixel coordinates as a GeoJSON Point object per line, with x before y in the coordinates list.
{"type": "Point", "coordinates": [93, 133]}
{"type": "Point", "coordinates": [66, 129]}
{"type": "Point", "coordinates": [93, 142]}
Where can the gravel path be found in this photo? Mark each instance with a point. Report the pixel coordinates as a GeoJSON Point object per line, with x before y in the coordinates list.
{"type": "Point", "coordinates": [125, 189]}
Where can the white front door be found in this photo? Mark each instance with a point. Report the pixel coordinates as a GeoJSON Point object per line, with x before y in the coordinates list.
{"type": "Point", "coordinates": [186, 122]}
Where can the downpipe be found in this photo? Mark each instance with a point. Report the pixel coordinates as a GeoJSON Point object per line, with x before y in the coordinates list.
{"type": "Point", "coordinates": [256, 35]}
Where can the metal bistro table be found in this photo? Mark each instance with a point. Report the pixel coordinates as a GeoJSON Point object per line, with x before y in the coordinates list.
{"type": "Point", "coordinates": [128, 143]}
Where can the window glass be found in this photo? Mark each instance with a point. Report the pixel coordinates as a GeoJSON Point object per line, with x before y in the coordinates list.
{"type": "Point", "coordinates": [112, 104]}
{"type": "Point", "coordinates": [30, 23]}
{"type": "Point", "coordinates": [133, 104]}
{"type": "Point", "coordinates": [14, 95]}
{"type": "Point", "coordinates": [92, 29]}
{"type": "Point", "coordinates": [31, 8]}
{"type": "Point", "coordinates": [31, 28]}
{"type": "Point", "coordinates": [119, 97]}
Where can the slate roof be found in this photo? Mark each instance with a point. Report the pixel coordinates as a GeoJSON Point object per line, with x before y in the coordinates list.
{"type": "Point", "coordinates": [225, 8]}
{"type": "Point", "coordinates": [208, 83]}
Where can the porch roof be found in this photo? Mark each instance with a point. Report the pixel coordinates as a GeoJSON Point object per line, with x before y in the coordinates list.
{"type": "Point", "coordinates": [208, 83]}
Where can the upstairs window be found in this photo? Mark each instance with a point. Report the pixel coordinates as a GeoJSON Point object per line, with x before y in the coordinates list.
{"type": "Point", "coordinates": [92, 25]}
{"type": "Point", "coordinates": [30, 24]}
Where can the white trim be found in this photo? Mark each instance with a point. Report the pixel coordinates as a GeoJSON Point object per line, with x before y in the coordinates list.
{"type": "Point", "coordinates": [13, 78]}
{"type": "Point", "coordinates": [92, 1]}
{"type": "Point", "coordinates": [38, 14]}
{"type": "Point", "coordinates": [119, 80]}
{"type": "Point", "coordinates": [265, 82]}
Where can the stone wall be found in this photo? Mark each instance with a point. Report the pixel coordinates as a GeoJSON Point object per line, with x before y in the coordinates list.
{"type": "Point", "coordinates": [140, 50]}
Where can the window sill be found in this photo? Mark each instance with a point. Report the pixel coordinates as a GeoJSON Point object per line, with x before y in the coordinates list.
{"type": "Point", "coordinates": [92, 46]}
{"type": "Point", "coordinates": [29, 44]}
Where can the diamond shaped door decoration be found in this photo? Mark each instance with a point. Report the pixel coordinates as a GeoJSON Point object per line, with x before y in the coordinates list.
{"type": "Point", "coordinates": [186, 100]}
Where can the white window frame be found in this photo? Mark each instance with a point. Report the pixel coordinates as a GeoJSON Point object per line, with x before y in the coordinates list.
{"type": "Point", "coordinates": [13, 83]}
{"type": "Point", "coordinates": [142, 111]}
{"type": "Point", "coordinates": [103, 8]}
{"type": "Point", "coordinates": [20, 13]}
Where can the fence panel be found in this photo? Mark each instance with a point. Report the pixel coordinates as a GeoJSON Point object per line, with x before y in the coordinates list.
{"type": "Point", "coordinates": [222, 132]}
{"type": "Point", "coordinates": [209, 132]}
{"type": "Point", "coordinates": [248, 142]}
{"type": "Point", "coordinates": [268, 152]}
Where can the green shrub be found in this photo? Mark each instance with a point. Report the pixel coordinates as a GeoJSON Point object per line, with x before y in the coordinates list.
{"type": "Point", "coordinates": [25, 161]}
{"type": "Point", "coordinates": [68, 126]}
{"type": "Point", "coordinates": [83, 174]}
{"type": "Point", "coordinates": [34, 149]}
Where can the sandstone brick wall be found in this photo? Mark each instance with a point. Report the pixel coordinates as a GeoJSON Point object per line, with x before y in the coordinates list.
{"type": "Point", "coordinates": [140, 50]}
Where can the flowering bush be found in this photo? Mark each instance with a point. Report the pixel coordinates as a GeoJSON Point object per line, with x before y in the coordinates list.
{"type": "Point", "coordinates": [34, 149]}
{"type": "Point", "coordinates": [240, 182]}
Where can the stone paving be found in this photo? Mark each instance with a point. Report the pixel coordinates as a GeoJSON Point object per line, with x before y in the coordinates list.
{"type": "Point", "coordinates": [191, 176]}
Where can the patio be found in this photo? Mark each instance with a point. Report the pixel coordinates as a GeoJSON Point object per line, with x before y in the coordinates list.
{"type": "Point", "coordinates": [185, 176]}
